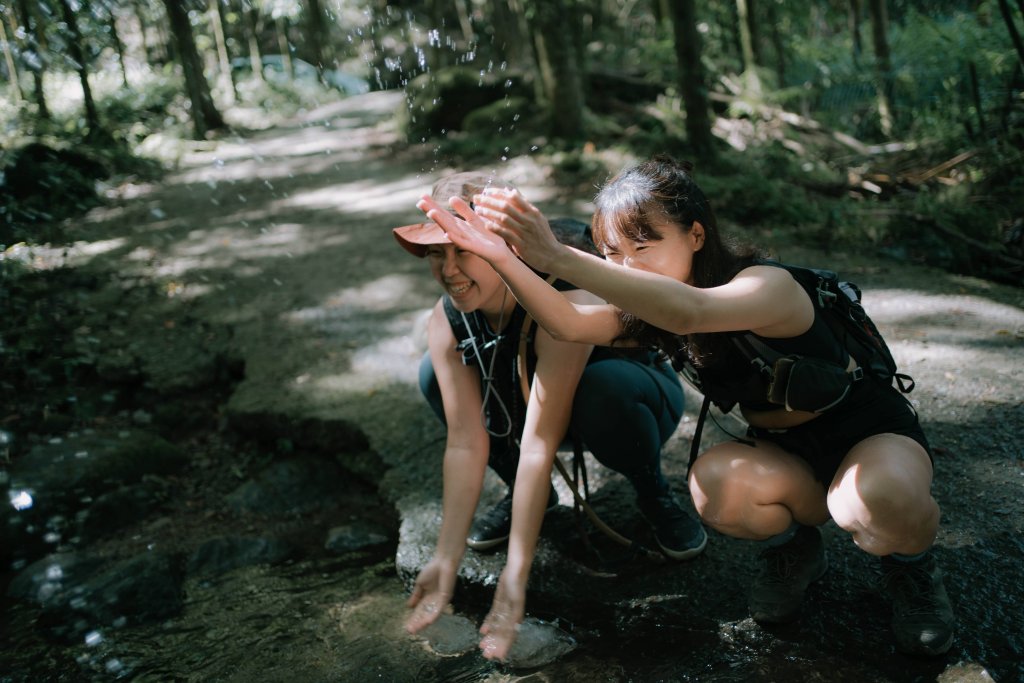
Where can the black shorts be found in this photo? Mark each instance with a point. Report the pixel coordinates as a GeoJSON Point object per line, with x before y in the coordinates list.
{"type": "Point", "coordinates": [871, 408]}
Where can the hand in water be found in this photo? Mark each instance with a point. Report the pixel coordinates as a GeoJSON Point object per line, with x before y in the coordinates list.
{"type": "Point", "coordinates": [510, 216]}
{"type": "Point", "coordinates": [469, 233]}
{"type": "Point", "coordinates": [431, 594]}
{"type": "Point", "coordinates": [502, 623]}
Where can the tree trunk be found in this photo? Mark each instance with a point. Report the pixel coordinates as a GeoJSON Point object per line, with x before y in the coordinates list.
{"type": "Point", "coordinates": [255, 27]}
{"type": "Point", "coordinates": [778, 45]}
{"type": "Point", "coordinates": [115, 35]}
{"type": "Point", "coordinates": [1004, 8]}
{"type": "Point", "coordinates": [751, 82]}
{"type": "Point", "coordinates": [316, 34]}
{"type": "Point", "coordinates": [508, 34]}
{"type": "Point", "coordinates": [691, 79]}
{"type": "Point", "coordinates": [227, 78]}
{"type": "Point", "coordinates": [281, 29]}
{"type": "Point", "coordinates": [92, 117]}
{"type": "Point", "coordinates": [858, 43]}
{"type": "Point", "coordinates": [754, 28]}
{"type": "Point", "coordinates": [205, 116]}
{"type": "Point", "coordinates": [35, 36]}
{"type": "Point", "coordinates": [12, 70]}
{"type": "Point", "coordinates": [143, 30]}
{"type": "Point", "coordinates": [559, 71]}
{"type": "Point", "coordinates": [883, 63]}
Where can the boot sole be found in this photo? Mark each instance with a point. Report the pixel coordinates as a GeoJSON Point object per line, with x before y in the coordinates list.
{"type": "Point", "coordinates": [687, 554]}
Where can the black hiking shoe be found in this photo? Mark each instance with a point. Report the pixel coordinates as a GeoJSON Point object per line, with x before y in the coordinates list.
{"type": "Point", "coordinates": [786, 572]}
{"type": "Point", "coordinates": [922, 617]}
{"type": "Point", "coordinates": [494, 526]}
{"type": "Point", "coordinates": [678, 534]}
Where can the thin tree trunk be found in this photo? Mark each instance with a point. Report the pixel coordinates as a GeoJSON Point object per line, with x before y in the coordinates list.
{"type": "Point", "coordinates": [464, 23]}
{"type": "Point", "coordinates": [205, 116]}
{"type": "Point", "coordinates": [281, 29]}
{"type": "Point", "coordinates": [754, 28]}
{"type": "Point", "coordinates": [972, 72]}
{"type": "Point", "coordinates": [227, 78]}
{"type": "Point", "coordinates": [854, 21]}
{"type": "Point", "coordinates": [118, 45]}
{"type": "Point", "coordinates": [316, 34]}
{"type": "Point", "coordinates": [778, 45]}
{"type": "Point", "coordinates": [92, 118]}
{"type": "Point", "coordinates": [12, 71]}
{"type": "Point", "coordinates": [35, 37]}
{"type": "Point", "coordinates": [255, 56]}
{"type": "Point", "coordinates": [692, 86]}
{"type": "Point", "coordinates": [143, 29]}
{"type": "Point", "coordinates": [883, 63]}
{"type": "Point", "coordinates": [1004, 8]}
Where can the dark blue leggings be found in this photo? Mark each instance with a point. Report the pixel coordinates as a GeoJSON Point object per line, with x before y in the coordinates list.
{"type": "Point", "coordinates": [623, 411]}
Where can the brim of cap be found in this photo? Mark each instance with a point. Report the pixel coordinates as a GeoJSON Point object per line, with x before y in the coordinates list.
{"type": "Point", "coordinates": [417, 237]}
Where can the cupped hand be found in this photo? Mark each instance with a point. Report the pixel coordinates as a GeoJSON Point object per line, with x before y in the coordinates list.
{"type": "Point", "coordinates": [469, 233]}
{"type": "Point", "coordinates": [501, 626]}
{"type": "Point", "coordinates": [510, 216]}
{"type": "Point", "coordinates": [430, 595]}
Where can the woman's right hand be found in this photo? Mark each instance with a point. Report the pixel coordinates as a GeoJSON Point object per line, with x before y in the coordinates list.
{"type": "Point", "coordinates": [519, 223]}
{"type": "Point", "coordinates": [431, 594]}
{"type": "Point", "coordinates": [469, 233]}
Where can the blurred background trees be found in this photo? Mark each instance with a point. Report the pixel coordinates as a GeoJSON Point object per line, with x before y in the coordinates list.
{"type": "Point", "coordinates": [890, 124]}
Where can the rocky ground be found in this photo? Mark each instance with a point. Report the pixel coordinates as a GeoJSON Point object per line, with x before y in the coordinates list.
{"type": "Point", "coordinates": [219, 466]}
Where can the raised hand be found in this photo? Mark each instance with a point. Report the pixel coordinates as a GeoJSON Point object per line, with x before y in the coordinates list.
{"type": "Point", "coordinates": [501, 625]}
{"type": "Point", "coordinates": [469, 232]}
{"type": "Point", "coordinates": [431, 594]}
{"type": "Point", "coordinates": [509, 215]}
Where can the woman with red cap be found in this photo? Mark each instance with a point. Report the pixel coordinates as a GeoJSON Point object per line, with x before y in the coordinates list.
{"type": "Point", "coordinates": [622, 406]}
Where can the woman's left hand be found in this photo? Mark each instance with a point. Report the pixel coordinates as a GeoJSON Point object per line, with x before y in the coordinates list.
{"type": "Point", "coordinates": [501, 626]}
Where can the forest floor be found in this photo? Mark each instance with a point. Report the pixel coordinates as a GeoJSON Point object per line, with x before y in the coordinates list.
{"type": "Point", "coordinates": [277, 243]}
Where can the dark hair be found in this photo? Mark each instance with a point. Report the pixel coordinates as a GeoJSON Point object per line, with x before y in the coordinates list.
{"type": "Point", "coordinates": [664, 188]}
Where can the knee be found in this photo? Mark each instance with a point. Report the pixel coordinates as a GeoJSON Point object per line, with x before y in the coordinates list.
{"type": "Point", "coordinates": [880, 495]}
{"type": "Point", "coordinates": [717, 488]}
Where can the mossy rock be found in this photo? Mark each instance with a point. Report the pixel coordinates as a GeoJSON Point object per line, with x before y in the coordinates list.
{"type": "Point", "coordinates": [439, 101]}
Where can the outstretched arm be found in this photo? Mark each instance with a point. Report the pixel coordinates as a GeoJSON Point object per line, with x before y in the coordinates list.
{"type": "Point", "coordinates": [465, 459]}
{"type": "Point", "coordinates": [760, 298]}
{"type": "Point", "coordinates": [559, 367]}
{"type": "Point", "coordinates": [597, 324]}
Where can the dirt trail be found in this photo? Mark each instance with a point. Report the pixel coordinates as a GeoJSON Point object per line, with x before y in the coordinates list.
{"type": "Point", "coordinates": [283, 238]}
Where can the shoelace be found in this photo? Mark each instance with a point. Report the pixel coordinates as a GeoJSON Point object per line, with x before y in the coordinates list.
{"type": "Point", "coordinates": [911, 590]}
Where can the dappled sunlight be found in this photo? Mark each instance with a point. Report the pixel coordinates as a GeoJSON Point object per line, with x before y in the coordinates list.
{"type": "Point", "coordinates": [388, 293]}
{"type": "Point", "coordinates": [368, 195]}
{"type": "Point", "coordinates": [895, 306]}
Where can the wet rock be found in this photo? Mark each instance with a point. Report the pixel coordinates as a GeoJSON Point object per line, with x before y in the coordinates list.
{"type": "Point", "coordinates": [451, 635]}
{"type": "Point", "coordinates": [77, 593]}
{"type": "Point", "coordinates": [82, 466]}
{"type": "Point", "coordinates": [220, 555]}
{"type": "Point", "coordinates": [120, 508]}
{"type": "Point", "coordinates": [294, 485]}
{"type": "Point", "coordinates": [307, 434]}
{"type": "Point", "coordinates": [355, 536]}
{"type": "Point", "coordinates": [539, 643]}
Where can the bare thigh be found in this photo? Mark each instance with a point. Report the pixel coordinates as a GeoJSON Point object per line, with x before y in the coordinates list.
{"type": "Point", "coordinates": [755, 491]}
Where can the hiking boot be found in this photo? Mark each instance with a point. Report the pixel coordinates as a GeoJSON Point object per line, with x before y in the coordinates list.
{"type": "Point", "coordinates": [786, 572]}
{"type": "Point", "coordinates": [678, 534]}
{"type": "Point", "coordinates": [494, 526]}
{"type": "Point", "coordinates": [922, 618]}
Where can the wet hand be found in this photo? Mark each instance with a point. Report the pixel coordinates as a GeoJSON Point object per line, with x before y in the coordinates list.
{"type": "Point", "coordinates": [510, 216]}
{"type": "Point", "coordinates": [501, 626]}
{"type": "Point", "coordinates": [431, 595]}
{"type": "Point", "coordinates": [469, 233]}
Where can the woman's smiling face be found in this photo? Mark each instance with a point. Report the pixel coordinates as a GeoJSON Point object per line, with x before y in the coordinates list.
{"type": "Point", "coordinates": [468, 280]}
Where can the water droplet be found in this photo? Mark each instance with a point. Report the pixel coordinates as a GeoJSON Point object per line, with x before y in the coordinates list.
{"type": "Point", "coordinates": [20, 500]}
{"type": "Point", "coordinates": [93, 638]}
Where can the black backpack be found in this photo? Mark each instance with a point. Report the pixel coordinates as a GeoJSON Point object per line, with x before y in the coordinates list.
{"type": "Point", "coordinates": [812, 384]}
